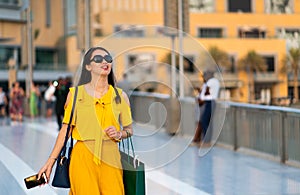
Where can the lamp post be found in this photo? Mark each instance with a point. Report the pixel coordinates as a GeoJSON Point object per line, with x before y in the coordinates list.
{"type": "Point", "coordinates": [180, 44]}
{"type": "Point", "coordinates": [29, 48]}
{"type": "Point", "coordinates": [173, 69]}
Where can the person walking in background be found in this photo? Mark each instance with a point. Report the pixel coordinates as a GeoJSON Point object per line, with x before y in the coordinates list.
{"type": "Point", "coordinates": [3, 102]}
{"type": "Point", "coordinates": [60, 94]}
{"type": "Point", "coordinates": [50, 97]}
{"type": "Point", "coordinates": [16, 107]}
{"type": "Point", "coordinates": [209, 94]}
{"type": "Point", "coordinates": [33, 100]}
{"type": "Point", "coordinates": [101, 110]}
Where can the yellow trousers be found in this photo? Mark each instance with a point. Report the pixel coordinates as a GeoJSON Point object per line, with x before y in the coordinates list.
{"type": "Point", "coordinates": [86, 177]}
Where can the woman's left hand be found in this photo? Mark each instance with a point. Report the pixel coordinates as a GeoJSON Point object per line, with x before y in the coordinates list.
{"type": "Point", "coordinates": [112, 132]}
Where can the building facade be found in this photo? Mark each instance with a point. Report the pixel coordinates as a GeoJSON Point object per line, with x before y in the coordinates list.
{"type": "Point", "coordinates": [133, 31]}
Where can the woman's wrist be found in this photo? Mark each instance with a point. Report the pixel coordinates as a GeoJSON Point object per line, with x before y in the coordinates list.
{"type": "Point", "coordinates": [119, 135]}
{"type": "Point", "coordinates": [52, 158]}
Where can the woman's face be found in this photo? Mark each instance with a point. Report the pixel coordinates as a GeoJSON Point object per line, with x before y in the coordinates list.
{"type": "Point", "coordinates": [100, 63]}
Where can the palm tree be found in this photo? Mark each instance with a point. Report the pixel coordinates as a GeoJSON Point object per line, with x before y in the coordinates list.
{"type": "Point", "coordinates": [221, 57]}
{"type": "Point", "coordinates": [292, 63]}
{"type": "Point", "coordinates": [252, 62]}
{"type": "Point", "coordinates": [168, 59]}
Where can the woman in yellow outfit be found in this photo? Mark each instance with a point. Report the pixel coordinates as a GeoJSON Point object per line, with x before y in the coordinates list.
{"type": "Point", "coordinates": [100, 111]}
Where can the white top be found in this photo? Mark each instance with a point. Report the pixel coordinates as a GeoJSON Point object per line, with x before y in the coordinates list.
{"type": "Point", "coordinates": [214, 87]}
{"type": "Point", "coordinates": [2, 97]}
{"type": "Point", "coordinates": [49, 93]}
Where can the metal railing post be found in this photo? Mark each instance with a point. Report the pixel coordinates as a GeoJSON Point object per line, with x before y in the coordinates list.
{"type": "Point", "coordinates": [282, 147]}
{"type": "Point", "coordinates": [235, 137]}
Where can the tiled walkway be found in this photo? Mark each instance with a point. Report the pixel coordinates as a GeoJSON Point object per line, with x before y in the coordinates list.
{"type": "Point", "coordinates": [172, 166]}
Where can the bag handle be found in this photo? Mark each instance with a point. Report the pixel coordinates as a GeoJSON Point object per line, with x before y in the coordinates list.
{"type": "Point", "coordinates": [63, 151]}
{"type": "Point", "coordinates": [129, 142]}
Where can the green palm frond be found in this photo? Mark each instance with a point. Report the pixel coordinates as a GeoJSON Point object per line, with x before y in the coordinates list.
{"type": "Point", "coordinates": [253, 62]}
{"type": "Point", "coordinates": [221, 57]}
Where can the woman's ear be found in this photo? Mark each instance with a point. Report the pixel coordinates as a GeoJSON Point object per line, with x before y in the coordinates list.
{"type": "Point", "coordinates": [88, 67]}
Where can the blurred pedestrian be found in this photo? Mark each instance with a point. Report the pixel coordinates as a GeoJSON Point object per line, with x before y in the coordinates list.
{"type": "Point", "coordinates": [33, 100]}
{"type": "Point", "coordinates": [101, 119]}
{"type": "Point", "coordinates": [17, 97]}
{"type": "Point", "coordinates": [3, 102]}
{"type": "Point", "coordinates": [50, 97]}
{"type": "Point", "coordinates": [61, 94]}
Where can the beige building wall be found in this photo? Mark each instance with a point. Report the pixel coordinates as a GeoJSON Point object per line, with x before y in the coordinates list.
{"type": "Point", "coordinates": [143, 12]}
{"type": "Point", "coordinates": [48, 35]}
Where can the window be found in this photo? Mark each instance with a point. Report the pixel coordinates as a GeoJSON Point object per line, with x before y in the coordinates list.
{"type": "Point", "coordinates": [9, 2]}
{"type": "Point", "coordinates": [279, 6]}
{"type": "Point", "coordinates": [142, 70]}
{"type": "Point", "coordinates": [141, 64]}
{"type": "Point", "coordinates": [45, 58]}
{"type": "Point", "coordinates": [202, 6]}
{"type": "Point", "coordinates": [48, 13]}
{"type": "Point", "coordinates": [6, 53]}
{"type": "Point", "coordinates": [287, 32]}
{"type": "Point", "coordinates": [210, 32]}
{"type": "Point", "coordinates": [188, 63]}
{"type": "Point", "coordinates": [71, 16]}
{"type": "Point", "coordinates": [291, 35]}
{"type": "Point", "coordinates": [232, 68]}
{"type": "Point", "coordinates": [129, 31]}
{"type": "Point", "coordinates": [239, 6]}
{"type": "Point", "coordinates": [270, 61]}
{"type": "Point", "coordinates": [251, 33]}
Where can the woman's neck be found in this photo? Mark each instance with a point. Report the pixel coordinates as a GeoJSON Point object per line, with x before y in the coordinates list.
{"type": "Point", "coordinates": [100, 84]}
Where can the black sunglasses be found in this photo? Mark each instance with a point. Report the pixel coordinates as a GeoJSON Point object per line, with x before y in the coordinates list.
{"type": "Point", "coordinates": [99, 59]}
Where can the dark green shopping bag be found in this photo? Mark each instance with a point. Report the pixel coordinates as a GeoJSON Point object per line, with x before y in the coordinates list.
{"type": "Point", "coordinates": [133, 172]}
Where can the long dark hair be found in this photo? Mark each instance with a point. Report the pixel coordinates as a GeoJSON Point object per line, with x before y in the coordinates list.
{"type": "Point", "coordinates": [85, 76]}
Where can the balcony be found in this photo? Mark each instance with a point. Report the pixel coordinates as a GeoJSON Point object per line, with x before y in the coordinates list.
{"type": "Point", "coordinates": [230, 80]}
{"type": "Point", "coordinates": [266, 77]}
{"type": "Point", "coordinates": [11, 10]}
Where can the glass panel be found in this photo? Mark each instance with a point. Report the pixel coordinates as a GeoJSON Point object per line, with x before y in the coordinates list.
{"type": "Point", "coordinates": [210, 32]}
{"type": "Point", "coordinates": [9, 2]}
{"type": "Point", "coordinates": [188, 63]}
{"type": "Point", "coordinates": [252, 33]}
{"type": "Point", "coordinates": [270, 61]}
{"type": "Point", "coordinates": [45, 59]}
{"type": "Point", "coordinates": [129, 31]}
{"type": "Point", "coordinates": [7, 52]}
{"type": "Point", "coordinates": [202, 6]}
{"type": "Point", "coordinates": [239, 6]}
{"type": "Point", "coordinates": [279, 6]}
{"type": "Point", "coordinates": [48, 13]}
{"type": "Point", "coordinates": [71, 16]}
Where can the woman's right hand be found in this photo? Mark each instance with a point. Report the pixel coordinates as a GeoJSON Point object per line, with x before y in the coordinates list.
{"type": "Point", "coordinates": [47, 169]}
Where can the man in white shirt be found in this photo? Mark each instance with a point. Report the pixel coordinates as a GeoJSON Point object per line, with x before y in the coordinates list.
{"type": "Point", "coordinates": [209, 93]}
{"type": "Point", "coordinates": [50, 98]}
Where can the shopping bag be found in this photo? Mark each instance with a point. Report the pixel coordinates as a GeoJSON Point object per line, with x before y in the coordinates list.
{"type": "Point", "coordinates": [133, 171]}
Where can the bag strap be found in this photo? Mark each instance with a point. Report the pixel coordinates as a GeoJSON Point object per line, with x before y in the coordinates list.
{"type": "Point", "coordinates": [129, 142]}
{"type": "Point", "coordinates": [63, 151]}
